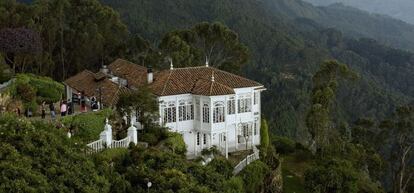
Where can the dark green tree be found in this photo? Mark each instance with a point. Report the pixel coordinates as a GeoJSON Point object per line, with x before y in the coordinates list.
{"type": "Point", "coordinates": [206, 41]}
{"type": "Point", "coordinates": [323, 96]}
{"type": "Point", "coordinates": [140, 101]}
{"type": "Point", "coordinates": [401, 132]}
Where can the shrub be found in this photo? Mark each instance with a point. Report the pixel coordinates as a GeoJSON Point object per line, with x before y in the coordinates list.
{"type": "Point", "coordinates": [87, 126]}
{"type": "Point", "coordinates": [284, 145]}
{"type": "Point", "coordinates": [254, 176]}
{"type": "Point", "coordinates": [175, 143]}
{"type": "Point", "coordinates": [45, 88]}
{"type": "Point", "coordinates": [25, 92]}
{"type": "Point", "coordinates": [331, 175]}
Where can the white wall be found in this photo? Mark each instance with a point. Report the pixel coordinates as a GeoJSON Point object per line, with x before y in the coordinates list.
{"type": "Point", "coordinates": [214, 131]}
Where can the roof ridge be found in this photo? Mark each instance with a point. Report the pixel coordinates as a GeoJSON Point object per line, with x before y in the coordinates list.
{"type": "Point", "coordinates": [236, 75]}
{"type": "Point", "coordinates": [166, 83]}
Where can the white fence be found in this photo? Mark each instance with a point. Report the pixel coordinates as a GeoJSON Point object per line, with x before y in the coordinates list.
{"type": "Point", "coordinates": [105, 140]}
{"type": "Point", "coordinates": [96, 146]}
{"type": "Point", "coordinates": [246, 161]}
{"type": "Point", "coordinates": [123, 143]}
{"type": "Point", "coordinates": [6, 84]}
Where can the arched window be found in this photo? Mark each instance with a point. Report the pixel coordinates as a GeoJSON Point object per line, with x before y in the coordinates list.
{"type": "Point", "coordinates": [206, 113]}
{"type": "Point", "coordinates": [218, 112]}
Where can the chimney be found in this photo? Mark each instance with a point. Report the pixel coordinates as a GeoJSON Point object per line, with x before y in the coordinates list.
{"type": "Point", "coordinates": [104, 69]}
{"type": "Point", "coordinates": [150, 75]}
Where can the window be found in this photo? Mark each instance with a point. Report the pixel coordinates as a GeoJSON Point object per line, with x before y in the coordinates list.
{"type": "Point", "coordinates": [245, 131]}
{"type": "Point", "coordinates": [198, 138]}
{"type": "Point", "coordinates": [231, 105]}
{"type": "Point", "coordinates": [204, 139]}
{"type": "Point", "coordinates": [206, 113]}
{"type": "Point", "coordinates": [169, 112]}
{"type": "Point", "coordinates": [256, 98]}
{"type": "Point", "coordinates": [185, 110]}
{"type": "Point", "coordinates": [256, 126]}
{"type": "Point", "coordinates": [218, 112]}
{"type": "Point", "coordinates": [244, 104]}
{"type": "Point", "coordinates": [197, 111]}
{"type": "Point", "coordinates": [136, 115]}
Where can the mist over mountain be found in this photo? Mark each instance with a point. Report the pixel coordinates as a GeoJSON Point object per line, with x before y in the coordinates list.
{"type": "Point", "coordinates": [401, 9]}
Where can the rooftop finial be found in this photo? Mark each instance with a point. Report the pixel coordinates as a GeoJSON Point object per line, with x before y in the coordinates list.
{"type": "Point", "coordinates": [171, 64]}
{"type": "Point", "coordinates": [206, 61]}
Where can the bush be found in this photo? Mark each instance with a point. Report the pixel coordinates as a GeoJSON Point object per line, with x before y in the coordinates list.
{"type": "Point", "coordinates": [338, 175]}
{"type": "Point", "coordinates": [45, 88]}
{"type": "Point", "coordinates": [87, 126]}
{"type": "Point", "coordinates": [222, 165]}
{"type": "Point", "coordinates": [254, 176]}
{"type": "Point", "coordinates": [175, 143]}
{"type": "Point", "coordinates": [284, 145]}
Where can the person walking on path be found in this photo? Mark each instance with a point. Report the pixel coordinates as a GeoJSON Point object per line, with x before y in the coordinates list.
{"type": "Point", "coordinates": [52, 110]}
{"type": "Point", "coordinates": [43, 108]}
{"type": "Point", "coordinates": [63, 109]}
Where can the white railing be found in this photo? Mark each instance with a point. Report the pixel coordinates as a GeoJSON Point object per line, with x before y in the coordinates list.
{"type": "Point", "coordinates": [96, 146]}
{"type": "Point", "coordinates": [246, 161]}
{"type": "Point", "coordinates": [6, 84]}
{"type": "Point", "coordinates": [123, 143]}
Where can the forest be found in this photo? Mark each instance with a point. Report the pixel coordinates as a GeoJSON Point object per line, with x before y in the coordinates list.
{"type": "Point", "coordinates": [267, 41]}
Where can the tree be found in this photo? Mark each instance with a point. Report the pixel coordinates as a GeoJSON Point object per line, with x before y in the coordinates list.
{"type": "Point", "coordinates": [401, 129]}
{"type": "Point", "coordinates": [331, 176]}
{"type": "Point", "coordinates": [213, 42]}
{"type": "Point", "coordinates": [19, 42]}
{"type": "Point", "coordinates": [254, 176]}
{"type": "Point", "coordinates": [264, 136]}
{"type": "Point", "coordinates": [325, 83]}
{"type": "Point", "coordinates": [141, 101]}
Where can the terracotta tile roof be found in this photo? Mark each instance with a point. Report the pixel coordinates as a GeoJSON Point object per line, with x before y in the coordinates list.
{"type": "Point", "coordinates": [197, 80]}
{"type": "Point", "coordinates": [211, 88]}
{"type": "Point", "coordinates": [134, 73]}
{"type": "Point", "coordinates": [191, 80]}
{"type": "Point", "coordinates": [88, 82]}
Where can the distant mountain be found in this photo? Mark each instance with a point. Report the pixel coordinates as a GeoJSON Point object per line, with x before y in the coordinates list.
{"type": "Point", "coordinates": [400, 9]}
{"type": "Point", "coordinates": [353, 22]}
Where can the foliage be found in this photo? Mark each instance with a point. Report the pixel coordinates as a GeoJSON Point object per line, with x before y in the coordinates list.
{"type": "Point", "coordinates": [86, 127]}
{"type": "Point", "coordinates": [401, 130]}
{"type": "Point", "coordinates": [325, 85]}
{"type": "Point", "coordinates": [141, 101]}
{"type": "Point", "coordinates": [63, 35]}
{"type": "Point", "coordinates": [331, 176]}
{"type": "Point", "coordinates": [283, 145]}
{"type": "Point", "coordinates": [253, 175]}
{"type": "Point", "coordinates": [59, 164]}
{"type": "Point", "coordinates": [31, 88]}
{"type": "Point", "coordinates": [213, 42]}
{"type": "Point", "coordinates": [5, 72]}
{"type": "Point", "coordinates": [264, 135]}
{"type": "Point", "coordinates": [176, 144]}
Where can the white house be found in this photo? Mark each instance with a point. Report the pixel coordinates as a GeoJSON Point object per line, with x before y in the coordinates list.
{"type": "Point", "coordinates": [208, 106]}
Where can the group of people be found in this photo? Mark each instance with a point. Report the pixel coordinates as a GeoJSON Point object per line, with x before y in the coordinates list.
{"type": "Point", "coordinates": [65, 107]}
